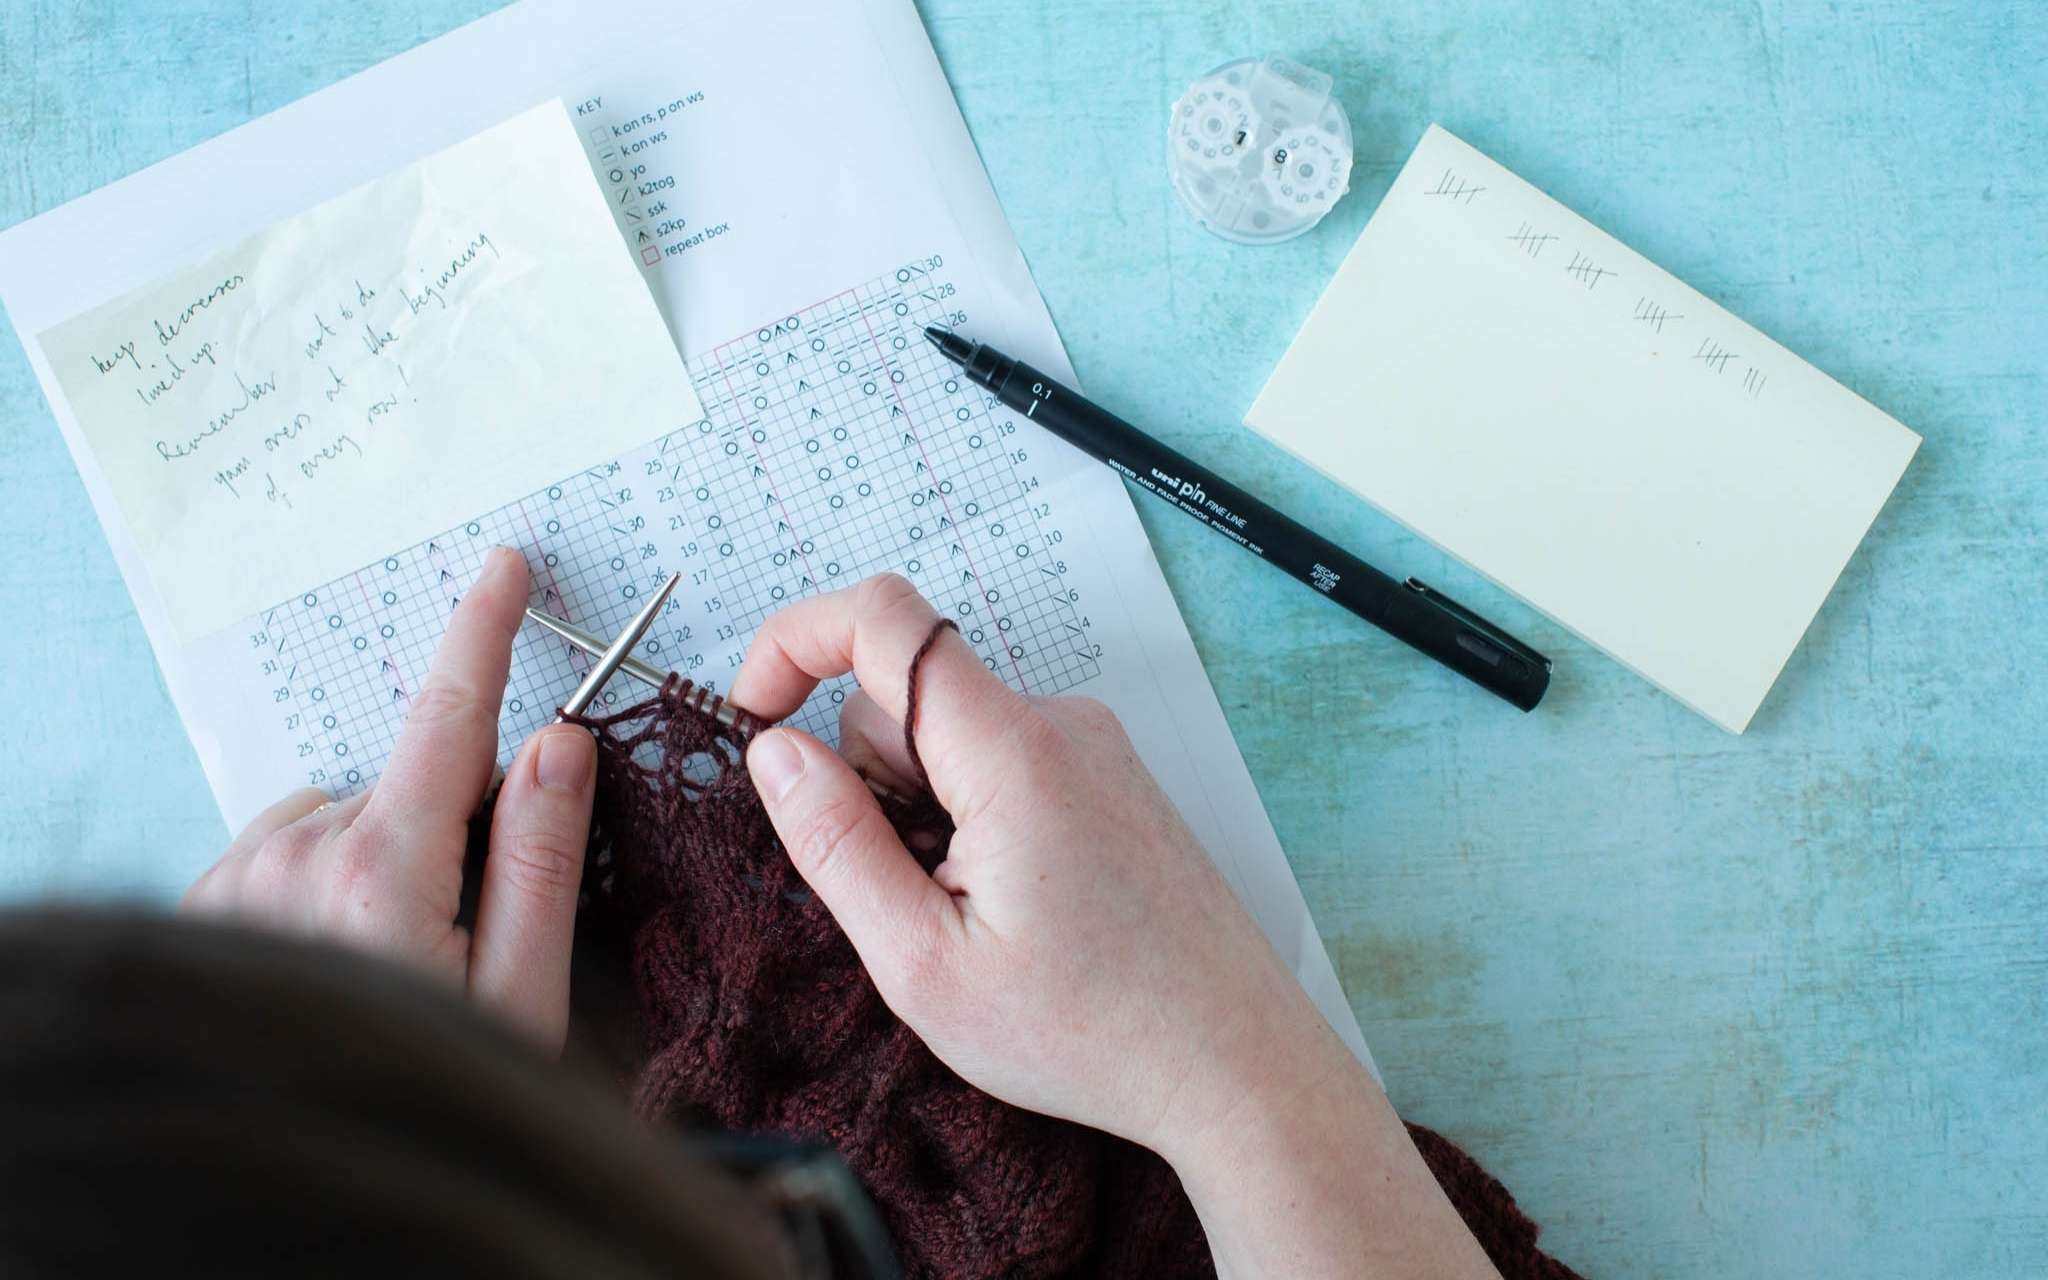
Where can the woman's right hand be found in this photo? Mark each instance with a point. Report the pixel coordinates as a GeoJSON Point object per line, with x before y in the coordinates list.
{"type": "Point", "coordinates": [1077, 953]}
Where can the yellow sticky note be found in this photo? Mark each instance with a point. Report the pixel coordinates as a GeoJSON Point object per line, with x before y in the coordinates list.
{"type": "Point", "coordinates": [1579, 425]}
{"type": "Point", "coordinates": [360, 377]}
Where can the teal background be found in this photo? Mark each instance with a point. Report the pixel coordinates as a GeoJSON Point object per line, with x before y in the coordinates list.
{"type": "Point", "coordinates": [1710, 1005]}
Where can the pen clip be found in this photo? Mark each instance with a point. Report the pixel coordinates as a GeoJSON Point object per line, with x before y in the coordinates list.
{"type": "Point", "coordinates": [1493, 635]}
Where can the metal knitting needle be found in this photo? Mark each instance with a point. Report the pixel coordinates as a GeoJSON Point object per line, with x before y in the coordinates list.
{"type": "Point", "coordinates": [608, 662]}
{"type": "Point", "coordinates": [654, 677]}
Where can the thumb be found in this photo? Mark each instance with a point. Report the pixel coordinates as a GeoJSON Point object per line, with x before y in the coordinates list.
{"type": "Point", "coordinates": [526, 915]}
{"type": "Point", "coordinates": [898, 918]}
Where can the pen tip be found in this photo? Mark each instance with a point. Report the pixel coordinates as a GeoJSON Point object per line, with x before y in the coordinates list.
{"type": "Point", "coordinates": [950, 344]}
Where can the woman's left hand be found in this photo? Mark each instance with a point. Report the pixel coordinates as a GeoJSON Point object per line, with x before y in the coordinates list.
{"type": "Point", "coordinates": [383, 869]}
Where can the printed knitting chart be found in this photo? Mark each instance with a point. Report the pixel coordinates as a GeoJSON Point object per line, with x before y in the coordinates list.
{"type": "Point", "coordinates": [837, 443]}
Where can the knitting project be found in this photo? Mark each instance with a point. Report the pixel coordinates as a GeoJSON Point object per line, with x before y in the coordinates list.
{"type": "Point", "coordinates": [751, 1012]}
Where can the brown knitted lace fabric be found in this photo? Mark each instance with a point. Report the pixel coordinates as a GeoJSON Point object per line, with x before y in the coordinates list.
{"type": "Point", "coordinates": [750, 1011]}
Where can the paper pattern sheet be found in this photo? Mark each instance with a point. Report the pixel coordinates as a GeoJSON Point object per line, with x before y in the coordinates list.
{"type": "Point", "coordinates": [369, 372]}
{"type": "Point", "coordinates": [800, 193]}
{"type": "Point", "coordinates": [1549, 406]}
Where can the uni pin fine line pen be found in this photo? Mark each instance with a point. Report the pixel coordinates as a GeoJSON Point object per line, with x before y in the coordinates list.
{"type": "Point", "coordinates": [1409, 611]}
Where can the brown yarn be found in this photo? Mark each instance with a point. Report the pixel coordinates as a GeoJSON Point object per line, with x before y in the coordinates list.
{"type": "Point", "coordinates": [910, 695]}
{"type": "Point", "coordinates": [750, 1011]}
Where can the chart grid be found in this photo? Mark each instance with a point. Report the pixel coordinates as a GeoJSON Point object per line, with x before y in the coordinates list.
{"type": "Point", "coordinates": [836, 443]}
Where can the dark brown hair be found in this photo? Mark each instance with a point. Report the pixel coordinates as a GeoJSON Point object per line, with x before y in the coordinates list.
{"type": "Point", "coordinates": [188, 1098]}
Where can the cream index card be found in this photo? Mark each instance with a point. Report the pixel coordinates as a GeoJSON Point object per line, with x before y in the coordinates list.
{"type": "Point", "coordinates": [357, 378]}
{"type": "Point", "coordinates": [1547, 405]}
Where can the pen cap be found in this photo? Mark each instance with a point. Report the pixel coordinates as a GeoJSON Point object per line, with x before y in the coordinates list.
{"type": "Point", "coordinates": [1258, 150]}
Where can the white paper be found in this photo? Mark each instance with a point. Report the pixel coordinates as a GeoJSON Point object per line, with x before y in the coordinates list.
{"type": "Point", "coordinates": [1547, 405]}
{"type": "Point", "coordinates": [361, 376]}
{"type": "Point", "coordinates": [802, 192]}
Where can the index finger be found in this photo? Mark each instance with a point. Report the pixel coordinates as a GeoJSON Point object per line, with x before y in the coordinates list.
{"type": "Point", "coordinates": [874, 629]}
{"type": "Point", "coordinates": [445, 753]}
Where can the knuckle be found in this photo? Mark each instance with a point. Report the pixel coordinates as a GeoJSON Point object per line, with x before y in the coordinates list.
{"type": "Point", "coordinates": [442, 703]}
{"type": "Point", "coordinates": [304, 801]}
{"type": "Point", "coordinates": [357, 865]}
{"type": "Point", "coordinates": [542, 865]}
{"type": "Point", "coordinates": [288, 848]}
{"type": "Point", "coordinates": [830, 836]}
{"type": "Point", "coordinates": [887, 593]}
{"type": "Point", "coordinates": [1094, 707]}
{"type": "Point", "coordinates": [1092, 714]}
{"type": "Point", "coordinates": [270, 886]}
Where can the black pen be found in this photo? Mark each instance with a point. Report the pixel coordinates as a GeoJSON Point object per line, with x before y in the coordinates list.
{"type": "Point", "coordinates": [1424, 618]}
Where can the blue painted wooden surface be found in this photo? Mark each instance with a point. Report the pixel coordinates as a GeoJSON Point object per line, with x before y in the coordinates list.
{"type": "Point", "coordinates": [1712, 1006]}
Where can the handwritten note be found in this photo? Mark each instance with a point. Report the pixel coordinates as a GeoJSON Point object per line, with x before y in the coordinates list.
{"type": "Point", "coordinates": [1551, 407]}
{"type": "Point", "coordinates": [435, 343]}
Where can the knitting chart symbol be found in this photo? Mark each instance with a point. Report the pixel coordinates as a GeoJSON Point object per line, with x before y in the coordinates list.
{"type": "Point", "coordinates": [836, 444]}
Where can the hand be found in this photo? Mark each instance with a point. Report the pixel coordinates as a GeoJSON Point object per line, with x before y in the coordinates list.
{"type": "Point", "coordinates": [1076, 953]}
{"type": "Point", "coordinates": [383, 869]}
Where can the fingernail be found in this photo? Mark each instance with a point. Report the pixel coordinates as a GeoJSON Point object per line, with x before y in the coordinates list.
{"type": "Point", "coordinates": [775, 763]}
{"type": "Point", "coordinates": [566, 761]}
{"type": "Point", "coordinates": [502, 559]}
